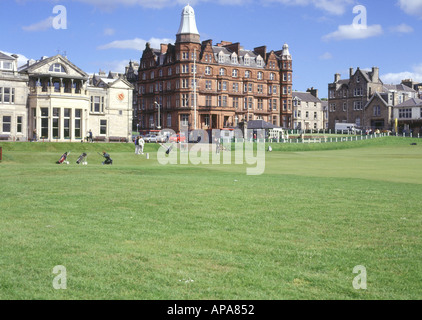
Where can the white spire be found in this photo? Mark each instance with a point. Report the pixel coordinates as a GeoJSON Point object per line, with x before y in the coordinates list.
{"type": "Point", "coordinates": [188, 22]}
{"type": "Point", "coordinates": [286, 53]}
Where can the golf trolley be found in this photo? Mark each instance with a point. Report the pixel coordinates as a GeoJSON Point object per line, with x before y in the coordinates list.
{"type": "Point", "coordinates": [82, 159]}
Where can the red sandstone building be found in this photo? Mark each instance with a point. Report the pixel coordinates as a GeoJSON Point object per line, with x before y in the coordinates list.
{"type": "Point", "coordinates": [193, 85]}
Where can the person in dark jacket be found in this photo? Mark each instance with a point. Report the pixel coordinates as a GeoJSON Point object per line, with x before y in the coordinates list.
{"type": "Point", "coordinates": [108, 160]}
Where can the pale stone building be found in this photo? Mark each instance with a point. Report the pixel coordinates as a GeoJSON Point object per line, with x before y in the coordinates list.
{"type": "Point", "coordinates": [13, 100]}
{"type": "Point", "coordinates": [409, 116]}
{"type": "Point", "coordinates": [63, 104]}
{"type": "Point", "coordinates": [308, 111]}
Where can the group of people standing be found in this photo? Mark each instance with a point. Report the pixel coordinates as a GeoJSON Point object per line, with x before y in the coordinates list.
{"type": "Point", "coordinates": [139, 145]}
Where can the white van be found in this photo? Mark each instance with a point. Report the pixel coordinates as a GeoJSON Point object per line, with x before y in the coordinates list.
{"type": "Point", "coordinates": [349, 127]}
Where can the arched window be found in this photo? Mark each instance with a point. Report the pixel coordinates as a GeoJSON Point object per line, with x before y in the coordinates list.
{"type": "Point", "coordinates": [259, 75]}
{"type": "Point", "coordinates": [57, 68]}
{"type": "Point", "coordinates": [222, 72]}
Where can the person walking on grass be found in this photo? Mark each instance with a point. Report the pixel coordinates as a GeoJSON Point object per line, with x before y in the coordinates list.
{"type": "Point", "coordinates": [137, 147]}
{"type": "Point", "coordinates": [141, 143]}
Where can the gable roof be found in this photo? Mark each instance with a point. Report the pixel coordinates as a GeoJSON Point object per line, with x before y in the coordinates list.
{"type": "Point", "coordinates": [380, 97]}
{"type": "Point", "coordinates": [4, 56]}
{"type": "Point", "coordinates": [32, 68]}
{"type": "Point", "coordinates": [413, 102]}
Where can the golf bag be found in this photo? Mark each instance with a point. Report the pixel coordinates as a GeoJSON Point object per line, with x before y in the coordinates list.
{"type": "Point", "coordinates": [82, 159]}
{"type": "Point", "coordinates": [63, 158]}
{"type": "Point", "coordinates": [108, 160]}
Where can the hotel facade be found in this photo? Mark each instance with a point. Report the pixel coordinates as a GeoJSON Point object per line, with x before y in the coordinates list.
{"type": "Point", "coordinates": [198, 85]}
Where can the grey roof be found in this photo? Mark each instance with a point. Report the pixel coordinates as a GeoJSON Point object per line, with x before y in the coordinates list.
{"type": "Point", "coordinates": [413, 102]}
{"type": "Point", "coordinates": [240, 59]}
{"type": "Point", "coordinates": [398, 87]}
{"type": "Point", "coordinates": [4, 56]}
{"type": "Point", "coordinates": [305, 96]}
{"type": "Point", "coordinates": [260, 124]}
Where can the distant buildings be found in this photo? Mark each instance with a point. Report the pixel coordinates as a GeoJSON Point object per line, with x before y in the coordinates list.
{"type": "Point", "coordinates": [199, 85]}
{"type": "Point", "coordinates": [365, 100]}
{"type": "Point", "coordinates": [53, 100]}
{"type": "Point", "coordinates": [308, 111]}
{"type": "Point", "coordinates": [13, 99]}
{"type": "Point", "coordinates": [409, 116]}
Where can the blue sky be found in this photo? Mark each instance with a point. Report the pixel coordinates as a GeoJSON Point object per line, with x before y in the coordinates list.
{"type": "Point", "coordinates": [106, 34]}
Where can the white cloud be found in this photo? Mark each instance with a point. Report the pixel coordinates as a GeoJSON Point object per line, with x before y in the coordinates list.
{"type": "Point", "coordinates": [115, 66]}
{"type": "Point", "coordinates": [335, 7]}
{"type": "Point", "coordinates": [134, 44]}
{"type": "Point", "coordinates": [411, 7]}
{"type": "Point", "coordinates": [352, 32]}
{"type": "Point", "coordinates": [326, 56]}
{"type": "Point", "coordinates": [40, 26]}
{"type": "Point", "coordinates": [402, 28]}
{"type": "Point", "coordinates": [109, 32]}
{"type": "Point", "coordinates": [395, 78]}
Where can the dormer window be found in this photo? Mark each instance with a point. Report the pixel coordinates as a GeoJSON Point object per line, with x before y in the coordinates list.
{"type": "Point", "coordinates": [221, 57]}
{"type": "Point", "coordinates": [6, 65]}
{"type": "Point", "coordinates": [234, 58]}
{"type": "Point", "coordinates": [259, 61]}
{"type": "Point", "coordinates": [57, 68]}
{"type": "Point", "coordinates": [247, 60]}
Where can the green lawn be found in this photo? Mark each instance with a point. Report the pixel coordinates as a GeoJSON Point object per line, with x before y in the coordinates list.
{"type": "Point", "coordinates": [139, 230]}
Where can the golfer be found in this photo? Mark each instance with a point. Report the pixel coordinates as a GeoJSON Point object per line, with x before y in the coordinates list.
{"type": "Point", "coordinates": [141, 143]}
{"type": "Point", "coordinates": [137, 147]}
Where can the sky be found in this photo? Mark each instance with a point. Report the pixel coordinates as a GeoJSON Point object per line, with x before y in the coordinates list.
{"type": "Point", "coordinates": [324, 36]}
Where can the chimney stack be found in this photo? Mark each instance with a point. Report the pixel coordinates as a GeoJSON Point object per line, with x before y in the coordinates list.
{"type": "Point", "coordinates": [313, 91]}
{"type": "Point", "coordinates": [375, 74]}
{"type": "Point", "coordinates": [163, 48]}
{"type": "Point", "coordinates": [351, 72]}
{"type": "Point", "coordinates": [337, 77]}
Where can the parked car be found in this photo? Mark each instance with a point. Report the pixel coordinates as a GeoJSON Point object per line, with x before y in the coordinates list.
{"type": "Point", "coordinates": [147, 138]}
{"type": "Point", "coordinates": [177, 138]}
{"type": "Point", "coordinates": [161, 139]}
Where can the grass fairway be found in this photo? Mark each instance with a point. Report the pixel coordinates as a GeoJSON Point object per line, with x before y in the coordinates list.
{"type": "Point", "coordinates": [139, 230]}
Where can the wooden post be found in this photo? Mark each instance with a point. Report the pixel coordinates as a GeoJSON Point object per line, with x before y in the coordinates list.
{"type": "Point", "coordinates": [1, 153]}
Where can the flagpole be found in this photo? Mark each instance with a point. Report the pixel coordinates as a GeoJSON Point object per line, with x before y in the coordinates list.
{"type": "Point", "coordinates": [194, 90]}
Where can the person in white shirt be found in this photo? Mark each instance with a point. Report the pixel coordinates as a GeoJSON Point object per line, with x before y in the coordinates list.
{"type": "Point", "coordinates": [141, 144]}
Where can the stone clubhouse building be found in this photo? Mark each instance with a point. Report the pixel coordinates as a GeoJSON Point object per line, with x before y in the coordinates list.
{"type": "Point", "coordinates": [53, 100]}
{"type": "Point", "coordinates": [200, 85]}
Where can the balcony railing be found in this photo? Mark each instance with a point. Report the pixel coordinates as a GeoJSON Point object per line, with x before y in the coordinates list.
{"type": "Point", "coordinates": [53, 91]}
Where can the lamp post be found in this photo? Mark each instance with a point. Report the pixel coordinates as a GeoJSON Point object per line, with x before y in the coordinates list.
{"type": "Point", "coordinates": [159, 116]}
